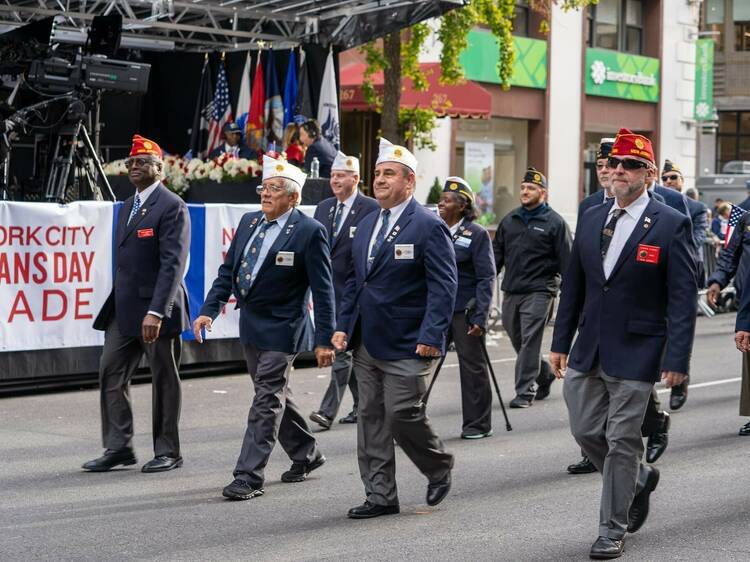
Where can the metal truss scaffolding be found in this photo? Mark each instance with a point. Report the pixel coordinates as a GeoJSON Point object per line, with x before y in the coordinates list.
{"type": "Point", "coordinates": [230, 25]}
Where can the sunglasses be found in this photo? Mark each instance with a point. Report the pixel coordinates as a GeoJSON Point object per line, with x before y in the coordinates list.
{"type": "Point", "coordinates": [627, 164]}
{"type": "Point", "coordinates": [139, 162]}
{"type": "Point", "coordinates": [673, 177]}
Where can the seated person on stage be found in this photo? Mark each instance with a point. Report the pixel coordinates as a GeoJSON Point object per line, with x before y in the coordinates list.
{"type": "Point", "coordinates": [317, 146]}
{"type": "Point", "coordinates": [295, 152]}
{"type": "Point", "coordinates": [233, 144]}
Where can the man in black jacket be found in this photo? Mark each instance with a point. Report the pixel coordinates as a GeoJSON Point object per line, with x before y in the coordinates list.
{"type": "Point", "coordinates": [533, 243]}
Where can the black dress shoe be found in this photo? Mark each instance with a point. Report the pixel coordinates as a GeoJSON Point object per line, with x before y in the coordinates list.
{"type": "Point", "coordinates": [162, 463]}
{"type": "Point", "coordinates": [678, 396]}
{"type": "Point", "coordinates": [648, 478]}
{"type": "Point", "coordinates": [519, 402]}
{"type": "Point", "coordinates": [321, 419]}
{"type": "Point", "coordinates": [585, 466]}
{"type": "Point", "coordinates": [544, 382]}
{"type": "Point", "coordinates": [351, 417]}
{"type": "Point", "coordinates": [605, 548]}
{"type": "Point", "coordinates": [299, 470]}
{"type": "Point", "coordinates": [110, 459]}
{"type": "Point", "coordinates": [658, 440]}
{"type": "Point", "coordinates": [368, 510]}
{"type": "Point", "coordinates": [436, 491]}
{"type": "Point", "coordinates": [474, 434]}
{"type": "Point", "coordinates": [241, 490]}
{"type": "Point", "coordinates": [745, 429]}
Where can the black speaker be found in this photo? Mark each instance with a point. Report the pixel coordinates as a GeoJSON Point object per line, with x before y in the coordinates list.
{"type": "Point", "coordinates": [104, 35]}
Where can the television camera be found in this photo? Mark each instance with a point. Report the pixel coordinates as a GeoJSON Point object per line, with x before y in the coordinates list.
{"type": "Point", "coordinates": [66, 88]}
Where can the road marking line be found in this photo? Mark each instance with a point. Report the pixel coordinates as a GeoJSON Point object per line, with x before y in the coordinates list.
{"type": "Point", "coordinates": [703, 384]}
{"type": "Point", "coordinates": [506, 360]}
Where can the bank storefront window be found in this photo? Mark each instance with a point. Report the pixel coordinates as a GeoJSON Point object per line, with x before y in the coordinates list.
{"type": "Point", "coordinates": [491, 154]}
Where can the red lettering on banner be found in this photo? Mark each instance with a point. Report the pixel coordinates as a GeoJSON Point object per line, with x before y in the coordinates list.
{"type": "Point", "coordinates": [227, 234]}
{"type": "Point", "coordinates": [87, 233]}
{"type": "Point", "coordinates": [4, 269]}
{"type": "Point", "coordinates": [59, 267]}
{"type": "Point", "coordinates": [88, 259]}
{"type": "Point", "coordinates": [15, 233]}
{"type": "Point", "coordinates": [80, 303]}
{"type": "Point", "coordinates": [49, 240]}
{"type": "Point", "coordinates": [20, 306]}
{"type": "Point", "coordinates": [41, 271]}
{"type": "Point", "coordinates": [46, 295]}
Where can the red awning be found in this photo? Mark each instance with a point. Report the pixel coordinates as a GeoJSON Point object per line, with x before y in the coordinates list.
{"type": "Point", "coordinates": [465, 100]}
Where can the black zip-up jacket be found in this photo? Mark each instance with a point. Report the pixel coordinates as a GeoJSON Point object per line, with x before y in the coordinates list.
{"type": "Point", "coordinates": [534, 255]}
{"type": "Point", "coordinates": [734, 260]}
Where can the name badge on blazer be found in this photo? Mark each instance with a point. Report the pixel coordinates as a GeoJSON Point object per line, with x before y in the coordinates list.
{"type": "Point", "coordinates": [145, 233]}
{"type": "Point", "coordinates": [352, 231]}
{"type": "Point", "coordinates": [285, 259]}
{"type": "Point", "coordinates": [463, 242]}
{"type": "Point", "coordinates": [403, 251]}
{"type": "Point", "coordinates": [647, 254]}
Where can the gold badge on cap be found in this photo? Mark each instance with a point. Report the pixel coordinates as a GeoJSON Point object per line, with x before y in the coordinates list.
{"type": "Point", "coordinates": [397, 153]}
{"type": "Point", "coordinates": [537, 177]}
{"type": "Point", "coordinates": [453, 186]}
{"type": "Point", "coordinates": [639, 143]}
{"type": "Point", "coordinates": [349, 163]}
{"type": "Point", "coordinates": [147, 145]}
{"type": "Point", "coordinates": [279, 167]}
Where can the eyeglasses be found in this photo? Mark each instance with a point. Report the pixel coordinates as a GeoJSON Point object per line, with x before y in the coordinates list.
{"type": "Point", "coordinates": [673, 177]}
{"type": "Point", "coordinates": [601, 166]}
{"type": "Point", "coordinates": [627, 164]}
{"type": "Point", "coordinates": [139, 162]}
{"type": "Point", "coordinates": [271, 188]}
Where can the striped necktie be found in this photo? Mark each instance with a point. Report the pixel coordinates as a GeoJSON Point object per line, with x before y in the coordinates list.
{"type": "Point", "coordinates": [136, 207]}
{"type": "Point", "coordinates": [380, 238]}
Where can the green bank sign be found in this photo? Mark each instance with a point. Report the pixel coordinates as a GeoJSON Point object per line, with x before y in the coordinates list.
{"type": "Point", "coordinates": [703, 110]}
{"type": "Point", "coordinates": [479, 60]}
{"type": "Point", "coordinates": [621, 75]}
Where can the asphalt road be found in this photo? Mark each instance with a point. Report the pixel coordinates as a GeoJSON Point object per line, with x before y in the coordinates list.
{"type": "Point", "coordinates": [511, 498]}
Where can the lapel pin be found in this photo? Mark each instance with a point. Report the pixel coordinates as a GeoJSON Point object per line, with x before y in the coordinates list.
{"type": "Point", "coordinates": [647, 219]}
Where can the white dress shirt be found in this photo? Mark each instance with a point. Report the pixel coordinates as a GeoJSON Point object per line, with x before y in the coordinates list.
{"type": "Point", "coordinates": [453, 229]}
{"type": "Point", "coordinates": [623, 229]}
{"type": "Point", "coordinates": [392, 220]}
{"type": "Point", "coordinates": [269, 238]}
{"type": "Point", "coordinates": [143, 195]}
{"type": "Point", "coordinates": [348, 204]}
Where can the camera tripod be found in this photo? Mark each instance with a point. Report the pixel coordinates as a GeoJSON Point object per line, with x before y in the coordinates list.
{"type": "Point", "coordinates": [75, 167]}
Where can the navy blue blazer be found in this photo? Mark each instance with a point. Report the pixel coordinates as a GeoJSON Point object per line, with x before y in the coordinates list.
{"type": "Point", "coordinates": [341, 248]}
{"type": "Point", "coordinates": [150, 261]}
{"type": "Point", "coordinates": [406, 298]}
{"type": "Point", "coordinates": [272, 314]}
{"type": "Point", "coordinates": [641, 320]}
{"type": "Point", "coordinates": [475, 261]}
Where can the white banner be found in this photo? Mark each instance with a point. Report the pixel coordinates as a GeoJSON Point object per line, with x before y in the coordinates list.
{"type": "Point", "coordinates": [221, 224]}
{"type": "Point", "coordinates": [55, 273]}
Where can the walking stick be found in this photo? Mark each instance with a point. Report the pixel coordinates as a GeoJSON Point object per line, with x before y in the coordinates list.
{"type": "Point", "coordinates": [469, 310]}
{"type": "Point", "coordinates": [423, 401]}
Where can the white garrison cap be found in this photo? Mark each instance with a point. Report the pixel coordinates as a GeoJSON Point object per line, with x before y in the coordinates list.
{"type": "Point", "coordinates": [345, 163]}
{"type": "Point", "coordinates": [390, 152]}
{"type": "Point", "coordinates": [273, 168]}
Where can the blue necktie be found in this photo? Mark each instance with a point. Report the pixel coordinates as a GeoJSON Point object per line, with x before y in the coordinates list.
{"type": "Point", "coordinates": [245, 275]}
{"type": "Point", "coordinates": [380, 238]}
{"type": "Point", "coordinates": [136, 207]}
{"type": "Point", "coordinates": [337, 220]}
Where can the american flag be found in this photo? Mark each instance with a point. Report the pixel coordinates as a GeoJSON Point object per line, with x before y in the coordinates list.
{"type": "Point", "coordinates": [734, 217]}
{"type": "Point", "coordinates": [222, 110]}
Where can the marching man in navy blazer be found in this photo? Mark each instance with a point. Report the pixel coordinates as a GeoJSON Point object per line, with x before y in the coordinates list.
{"type": "Point", "coordinates": [146, 312]}
{"type": "Point", "coordinates": [340, 215]}
{"type": "Point", "coordinates": [629, 293]}
{"type": "Point", "coordinates": [394, 315]}
{"type": "Point", "coordinates": [476, 280]}
{"type": "Point", "coordinates": [275, 256]}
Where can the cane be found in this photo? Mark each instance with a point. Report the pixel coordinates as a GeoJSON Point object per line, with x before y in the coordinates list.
{"type": "Point", "coordinates": [423, 401]}
{"type": "Point", "coordinates": [470, 306]}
